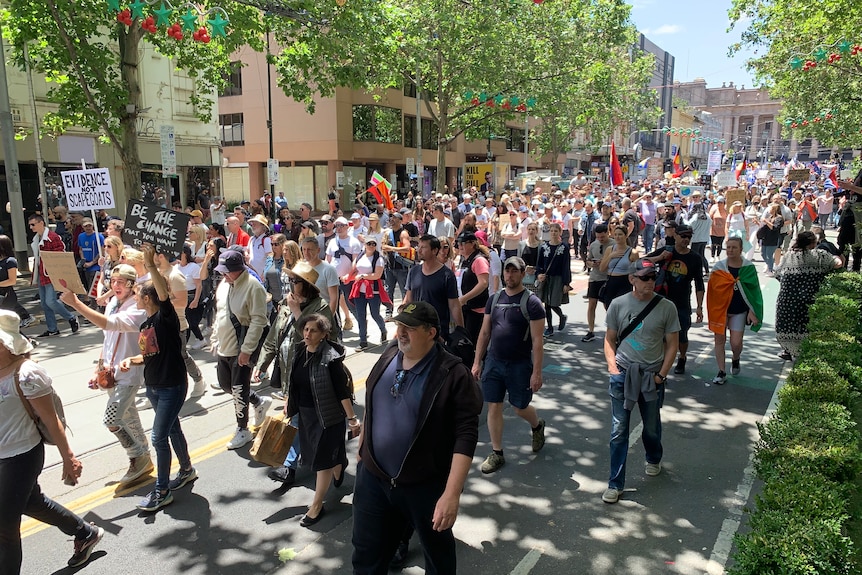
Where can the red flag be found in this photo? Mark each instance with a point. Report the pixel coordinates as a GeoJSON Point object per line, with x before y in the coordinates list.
{"type": "Point", "coordinates": [376, 193]}
{"type": "Point", "coordinates": [677, 165]}
{"type": "Point", "coordinates": [616, 171]}
{"type": "Point", "coordinates": [740, 169]}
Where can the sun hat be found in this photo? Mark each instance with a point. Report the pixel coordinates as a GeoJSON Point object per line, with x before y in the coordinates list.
{"type": "Point", "coordinates": [10, 336]}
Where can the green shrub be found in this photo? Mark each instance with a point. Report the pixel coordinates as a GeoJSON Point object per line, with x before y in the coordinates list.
{"type": "Point", "coordinates": [815, 380]}
{"type": "Point", "coordinates": [840, 351]}
{"type": "Point", "coordinates": [845, 284]}
{"type": "Point", "coordinates": [831, 314]}
{"type": "Point", "coordinates": [807, 495]}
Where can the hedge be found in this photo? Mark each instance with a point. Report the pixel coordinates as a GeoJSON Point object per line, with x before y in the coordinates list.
{"type": "Point", "coordinates": [808, 455]}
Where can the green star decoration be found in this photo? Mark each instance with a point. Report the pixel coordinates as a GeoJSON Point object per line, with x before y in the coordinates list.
{"type": "Point", "coordinates": [137, 8]}
{"type": "Point", "coordinates": [820, 54]}
{"type": "Point", "coordinates": [498, 99]}
{"type": "Point", "coordinates": [163, 16]}
{"type": "Point", "coordinates": [844, 46]}
{"type": "Point", "coordinates": [114, 5]}
{"type": "Point", "coordinates": [218, 24]}
{"type": "Point", "coordinates": [796, 63]}
{"type": "Point", "coordinates": [190, 21]}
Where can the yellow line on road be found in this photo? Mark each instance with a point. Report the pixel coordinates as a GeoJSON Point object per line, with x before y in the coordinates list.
{"type": "Point", "coordinates": [101, 496]}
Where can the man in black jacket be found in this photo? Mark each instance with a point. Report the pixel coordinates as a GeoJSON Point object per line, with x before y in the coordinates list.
{"type": "Point", "coordinates": [411, 474]}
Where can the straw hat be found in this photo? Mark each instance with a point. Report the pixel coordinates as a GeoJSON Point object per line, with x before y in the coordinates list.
{"type": "Point", "coordinates": [260, 219]}
{"type": "Point", "coordinates": [305, 272]}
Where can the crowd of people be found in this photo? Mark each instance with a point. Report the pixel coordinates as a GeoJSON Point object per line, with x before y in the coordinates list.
{"type": "Point", "coordinates": [474, 286]}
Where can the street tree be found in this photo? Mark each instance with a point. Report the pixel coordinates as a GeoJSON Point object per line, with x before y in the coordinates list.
{"type": "Point", "coordinates": [808, 57]}
{"type": "Point", "coordinates": [473, 62]}
{"type": "Point", "coordinates": [89, 52]}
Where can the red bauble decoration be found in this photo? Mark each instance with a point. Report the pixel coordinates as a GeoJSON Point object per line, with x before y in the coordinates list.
{"type": "Point", "coordinates": [125, 17]}
{"type": "Point", "coordinates": [794, 125]}
{"type": "Point", "coordinates": [804, 122]}
{"type": "Point", "coordinates": [829, 116]}
{"type": "Point", "coordinates": [475, 101]}
{"type": "Point", "coordinates": [538, 1]}
{"type": "Point", "coordinates": [817, 119]}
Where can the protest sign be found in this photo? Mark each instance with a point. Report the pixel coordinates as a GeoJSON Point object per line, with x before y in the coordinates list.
{"type": "Point", "coordinates": [163, 228]}
{"type": "Point", "coordinates": [654, 169]}
{"type": "Point", "coordinates": [88, 189]}
{"type": "Point", "coordinates": [61, 268]}
{"type": "Point", "coordinates": [714, 162]}
{"type": "Point", "coordinates": [799, 175]}
{"type": "Point", "coordinates": [732, 196]}
{"type": "Point", "coordinates": [724, 179]}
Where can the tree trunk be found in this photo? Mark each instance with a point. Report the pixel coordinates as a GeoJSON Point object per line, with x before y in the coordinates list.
{"type": "Point", "coordinates": [129, 61]}
{"type": "Point", "coordinates": [554, 146]}
{"type": "Point", "coordinates": [442, 146]}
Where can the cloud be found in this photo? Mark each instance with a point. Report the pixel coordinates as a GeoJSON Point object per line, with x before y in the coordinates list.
{"type": "Point", "coordinates": [666, 29]}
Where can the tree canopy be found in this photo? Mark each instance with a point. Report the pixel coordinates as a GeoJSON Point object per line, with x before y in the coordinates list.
{"type": "Point", "coordinates": [808, 57]}
{"type": "Point", "coordinates": [471, 60]}
{"type": "Point", "coordinates": [90, 60]}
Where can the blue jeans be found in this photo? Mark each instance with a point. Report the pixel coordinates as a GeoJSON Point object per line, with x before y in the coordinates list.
{"type": "Point", "coordinates": [648, 234]}
{"type": "Point", "coordinates": [363, 306]}
{"type": "Point", "coordinates": [381, 513]}
{"type": "Point", "coordinates": [20, 495]}
{"type": "Point", "coordinates": [768, 253]}
{"type": "Point", "coordinates": [167, 402]}
{"type": "Point", "coordinates": [395, 277]}
{"type": "Point", "coordinates": [620, 418]}
{"type": "Point", "coordinates": [52, 306]}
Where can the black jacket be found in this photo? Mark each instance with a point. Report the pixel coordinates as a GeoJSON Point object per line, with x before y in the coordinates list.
{"type": "Point", "coordinates": [448, 420]}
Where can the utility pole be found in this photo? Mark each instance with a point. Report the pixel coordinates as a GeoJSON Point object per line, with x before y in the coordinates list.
{"type": "Point", "coordinates": [269, 118]}
{"type": "Point", "coordinates": [37, 136]}
{"type": "Point", "coordinates": [420, 169]}
{"type": "Point", "coordinates": [13, 176]}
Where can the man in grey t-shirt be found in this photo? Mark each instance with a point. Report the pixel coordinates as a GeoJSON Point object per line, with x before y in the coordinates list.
{"type": "Point", "coordinates": [638, 367]}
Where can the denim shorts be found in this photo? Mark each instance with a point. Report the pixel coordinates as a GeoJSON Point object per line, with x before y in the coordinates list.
{"type": "Point", "coordinates": [500, 376]}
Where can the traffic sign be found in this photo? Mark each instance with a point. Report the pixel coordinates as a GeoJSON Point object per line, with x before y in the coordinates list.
{"type": "Point", "coordinates": [411, 165]}
{"type": "Point", "coordinates": [272, 171]}
{"type": "Point", "coordinates": [168, 147]}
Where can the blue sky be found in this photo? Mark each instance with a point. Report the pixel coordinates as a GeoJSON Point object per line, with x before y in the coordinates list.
{"type": "Point", "coordinates": [695, 33]}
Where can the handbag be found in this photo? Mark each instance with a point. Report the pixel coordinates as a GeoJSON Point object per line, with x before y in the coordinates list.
{"type": "Point", "coordinates": [104, 378]}
{"type": "Point", "coordinates": [273, 441]}
{"type": "Point", "coordinates": [40, 425]}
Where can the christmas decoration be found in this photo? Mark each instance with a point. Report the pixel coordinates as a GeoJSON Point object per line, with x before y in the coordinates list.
{"type": "Point", "coordinates": [515, 103]}
{"type": "Point", "coordinates": [825, 54]}
{"type": "Point", "coordinates": [194, 20]}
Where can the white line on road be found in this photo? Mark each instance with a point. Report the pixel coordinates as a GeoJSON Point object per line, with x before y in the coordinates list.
{"type": "Point", "coordinates": [527, 563]}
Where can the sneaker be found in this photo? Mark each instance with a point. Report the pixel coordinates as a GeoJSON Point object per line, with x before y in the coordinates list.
{"type": "Point", "coordinates": [680, 366]}
{"type": "Point", "coordinates": [785, 355]}
{"type": "Point", "coordinates": [549, 331]}
{"type": "Point", "coordinates": [74, 323]}
{"type": "Point", "coordinates": [611, 495]}
{"type": "Point", "coordinates": [539, 437]}
{"type": "Point", "coordinates": [286, 475]}
{"type": "Point", "coordinates": [143, 403]}
{"type": "Point", "coordinates": [348, 325]}
{"type": "Point", "coordinates": [84, 547]}
{"type": "Point", "coordinates": [493, 462]}
{"type": "Point", "coordinates": [240, 438]}
{"type": "Point", "coordinates": [28, 321]}
{"type": "Point", "coordinates": [215, 385]}
{"type": "Point", "coordinates": [363, 345]}
{"type": "Point", "coordinates": [49, 333]}
{"type": "Point", "coordinates": [182, 479]}
{"type": "Point", "coordinates": [384, 339]}
{"type": "Point", "coordinates": [279, 395]}
{"type": "Point", "coordinates": [388, 313]}
{"type": "Point", "coordinates": [720, 379]}
{"type": "Point", "coordinates": [155, 500]}
{"type": "Point", "coordinates": [589, 337]}
{"type": "Point", "coordinates": [260, 410]}
{"type": "Point", "coordinates": [199, 388]}
{"type": "Point", "coordinates": [138, 467]}
{"type": "Point", "coordinates": [734, 367]}
{"type": "Point", "coordinates": [197, 344]}
{"type": "Point", "coordinates": [563, 321]}
{"type": "Point", "coordinates": [653, 469]}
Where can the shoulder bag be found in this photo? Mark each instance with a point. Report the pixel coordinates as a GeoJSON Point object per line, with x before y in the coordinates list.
{"type": "Point", "coordinates": [638, 318]}
{"type": "Point", "coordinates": [40, 425]}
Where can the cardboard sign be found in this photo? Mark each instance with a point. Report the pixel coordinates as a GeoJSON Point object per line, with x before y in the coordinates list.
{"type": "Point", "coordinates": [61, 268]}
{"type": "Point", "coordinates": [731, 196]}
{"type": "Point", "coordinates": [88, 189]}
{"type": "Point", "coordinates": [654, 169]}
{"type": "Point", "coordinates": [163, 228]}
{"type": "Point", "coordinates": [799, 175]}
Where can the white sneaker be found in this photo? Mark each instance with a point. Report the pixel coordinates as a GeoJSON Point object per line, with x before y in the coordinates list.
{"type": "Point", "coordinates": [653, 469]}
{"type": "Point", "coordinates": [143, 403]}
{"type": "Point", "coordinates": [199, 389]}
{"type": "Point", "coordinates": [240, 438]}
{"type": "Point", "coordinates": [215, 385]}
{"type": "Point", "coordinates": [260, 410]}
{"type": "Point", "coordinates": [611, 495]}
{"type": "Point", "coordinates": [196, 344]}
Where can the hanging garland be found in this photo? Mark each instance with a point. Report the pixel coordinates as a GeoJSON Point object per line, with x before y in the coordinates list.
{"type": "Point", "coordinates": [805, 122]}
{"type": "Point", "coordinates": [825, 54]}
{"type": "Point", "coordinates": [194, 20]}
{"type": "Point", "coordinates": [503, 102]}
{"type": "Point", "coordinates": [684, 132]}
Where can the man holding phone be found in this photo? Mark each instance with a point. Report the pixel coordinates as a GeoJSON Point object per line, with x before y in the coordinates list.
{"type": "Point", "coordinates": [598, 278]}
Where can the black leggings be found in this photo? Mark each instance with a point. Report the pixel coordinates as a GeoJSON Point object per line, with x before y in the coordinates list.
{"type": "Point", "coordinates": [549, 315]}
{"type": "Point", "coordinates": [716, 242]}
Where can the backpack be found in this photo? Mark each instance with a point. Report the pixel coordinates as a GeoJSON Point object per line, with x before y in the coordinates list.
{"type": "Point", "coordinates": [460, 345]}
{"type": "Point", "coordinates": [525, 297]}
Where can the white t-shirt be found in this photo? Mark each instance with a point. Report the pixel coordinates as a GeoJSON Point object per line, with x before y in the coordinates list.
{"type": "Point", "coordinates": [444, 229]}
{"type": "Point", "coordinates": [496, 272]}
{"type": "Point", "coordinates": [192, 271]}
{"type": "Point", "coordinates": [18, 433]}
{"type": "Point", "coordinates": [258, 247]}
{"type": "Point", "coordinates": [343, 263]}
{"type": "Point", "coordinates": [363, 265]}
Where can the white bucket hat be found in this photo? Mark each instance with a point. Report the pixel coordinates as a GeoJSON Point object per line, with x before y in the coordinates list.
{"type": "Point", "coordinates": [10, 336]}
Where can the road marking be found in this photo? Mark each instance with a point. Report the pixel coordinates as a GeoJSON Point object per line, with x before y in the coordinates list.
{"type": "Point", "coordinates": [90, 501]}
{"type": "Point", "coordinates": [527, 563]}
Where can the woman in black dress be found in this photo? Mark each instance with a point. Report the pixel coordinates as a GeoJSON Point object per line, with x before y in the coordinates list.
{"type": "Point", "coordinates": [318, 391]}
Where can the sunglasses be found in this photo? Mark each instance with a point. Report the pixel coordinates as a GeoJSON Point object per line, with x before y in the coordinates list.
{"type": "Point", "coordinates": [371, 244]}
{"type": "Point", "coordinates": [400, 375]}
{"type": "Point", "coordinates": [647, 278]}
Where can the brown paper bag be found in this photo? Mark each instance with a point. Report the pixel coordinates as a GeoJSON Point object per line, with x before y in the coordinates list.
{"type": "Point", "coordinates": [272, 441]}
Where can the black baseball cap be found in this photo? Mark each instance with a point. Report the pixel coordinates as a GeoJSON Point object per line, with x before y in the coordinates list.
{"type": "Point", "coordinates": [417, 314]}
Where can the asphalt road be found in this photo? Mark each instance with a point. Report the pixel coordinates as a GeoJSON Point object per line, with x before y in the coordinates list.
{"type": "Point", "coordinates": [542, 513]}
